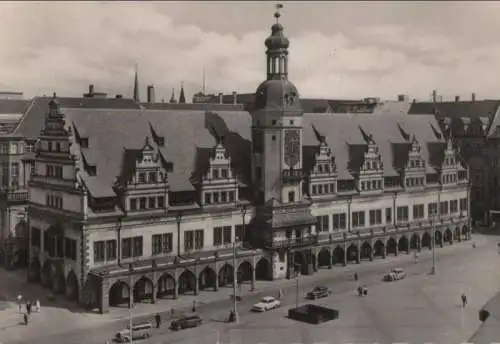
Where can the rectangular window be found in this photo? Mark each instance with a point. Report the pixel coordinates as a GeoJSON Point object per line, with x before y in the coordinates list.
{"type": "Point", "coordinates": [133, 204]}
{"type": "Point", "coordinates": [453, 206]}
{"type": "Point", "coordinates": [224, 173]}
{"type": "Point", "coordinates": [70, 248]}
{"type": "Point", "coordinates": [443, 208]}
{"type": "Point", "coordinates": [231, 196]}
{"type": "Point", "coordinates": [137, 246]}
{"type": "Point", "coordinates": [152, 177]}
{"type": "Point", "coordinates": [142, 203]}
{"type": "Point", "coordinates": [291, 196]}
{"type": "Point", "coordinates": [198, 239]}
{"type": "Point", "coordinates": [217, 236]}
{"type": "Point", "coordinates": [358, 219]}
{"type": "Point", "coordinates": [161, 202]}
{"type": "Point", "coordinates": [228, 235]}
{"type": "Point", "coordinates": [188, 240]}
{"type": "Point", "coordinates": [110, 250]}
{"type": "Point", "coordinates": [126, 248]}
{"type": "Point", "coordinates": [402, 213]}
{"type": "Point", "coordinates": [216, 197]}
{"type": "Point", "coordinates": [58, 171]}
{"type": "Point", "coordinates": [432, 209]}
{"type": "Point", "coordinates": [314, 189]}
{"type": "Point", "coordinates": [239, 232]}
{"type": "Point", "coordinates": [223, 197]}
{"type": "Point", "coordinates": [322, 223]}
{"type": "Point", "coordinates": [463, 204]}
{"type": "Point", "coordinates": [215, 173]}
{"type": "Point", "coordinates": [388, 215]}
{"type": "Point", "coordinates": [339, 221]}
{"type": "Point", "coordinates": [142, 178]}
{"type": "Point", "coordinates": [418, 211]}
{"type": "Point", "coordinates": [375, 217]}
{"type": "Point", "coordinates": [152, 202]}
{"type": "Point", "coordinates": [162, 243]}
{"type": "Point", "coordinates": [208, 197]}
{"type": "Point", "coordinates": [99, 253]}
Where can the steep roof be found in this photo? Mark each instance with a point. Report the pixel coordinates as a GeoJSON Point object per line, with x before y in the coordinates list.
{"type": "Point", "coordinates": [188, 133]}
{"type": "Point", "coordinates": [471, 109]}
{"type": "Point", "coordinates": [34, 116]}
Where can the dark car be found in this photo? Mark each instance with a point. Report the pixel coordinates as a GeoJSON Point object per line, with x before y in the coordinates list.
{"type": "Point", "coordinates": [186, 322]}
{"type": "Point", "coordinates": [318, 293]}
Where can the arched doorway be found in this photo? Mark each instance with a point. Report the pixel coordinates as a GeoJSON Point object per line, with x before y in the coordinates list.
{"type": "Point", "coordinates": [391, 246]}
{"type": "Point", "coordinates": [166, 286]}
{"type": "Point", "coordinates": [119, 295]}
{"type": "Point", "coordinates": [300, 262]}
{"type": "Point", "coordinates": [263, 269]}
{"type": "Point", "coordinates": [207, 278]}
{"type": "Point", "coordinates": [187, 282]}
{"type": "Point", "coordinates": [378, 249]}
{"type": "Point", "coordinates": [426, 240]}
{"type": "Point", "coordinates": [35, 270]}
{"type": "Point", "coordinates": [59, 281]}
{"type": "Point", "coordinates": [439, 238]}
{"type": "Point", "coordinates": [244, 272]}
{"type": "Point", "coordinates": [46, 276]}
{"type": "Point", "coordinates": [403, 244]}
{"type": "Point", "coordinates": [226, 276]}
{"type": "Point", "coordinates": [338, 255]}
{"type": "Point", "coordinates": [448, 236]}
{"type": "Point", "coordinates": [143, 290]}
{"type": "Point", "coordinates": [352, 253]}
{"type": "Point", "coordinates": [324, 258]}
{"type": "Point", "coordinates": [366, 251]}
{"type": "Point", "coordinates": [72, 288]}
{"type": "Point", "coordinates": [415, 242]}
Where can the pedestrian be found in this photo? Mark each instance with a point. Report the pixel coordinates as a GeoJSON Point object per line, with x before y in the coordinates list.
{"type": "Point", "coordinates": [464, 300]}
{"type": "Point", "coordinates": [28, 307]}
{"type": "Point", "coordinates": [355, 276]}
{"type": "Point", "coordinates": [194, 306]}
{"type": "Point", "coordinates": [25, 319]}
{"type": "Point", "coordinates": [19, 301]}
{"type": "Point", "coordinates": [280, 294]}
{"type": "Point", "coordinates": [158, 320]}
{"type": "Point", "coordinates": [37, 306]}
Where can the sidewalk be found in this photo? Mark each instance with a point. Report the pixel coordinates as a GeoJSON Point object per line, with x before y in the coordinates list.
{"type": "Point", "coordinates": [59, 319]}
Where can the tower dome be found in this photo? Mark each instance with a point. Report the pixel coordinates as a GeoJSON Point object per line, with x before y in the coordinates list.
{"type": "Point", "coordinates": [277, 40]}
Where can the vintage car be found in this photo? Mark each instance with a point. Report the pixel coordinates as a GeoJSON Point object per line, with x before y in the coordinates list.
{"type": "Point", "coordinates": [186, 322]}
{"type": "Point", "coordinates": [318, 293]}
{"type": "Point", "coordinates": [139, 331]}
{"type": "Point", "coordinates": [266, 303]}
{"type": "Point", "coordinates": [395, 274]}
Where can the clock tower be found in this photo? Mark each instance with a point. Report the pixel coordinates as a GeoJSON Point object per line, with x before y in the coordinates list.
{"type": "Point", "coordinates": [283, 223]}
{"type": "Point", "coordinates": [277, 127]}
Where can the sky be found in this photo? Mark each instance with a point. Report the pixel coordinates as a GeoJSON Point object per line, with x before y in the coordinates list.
{"type": "Point", "coordinates": [346, 50]}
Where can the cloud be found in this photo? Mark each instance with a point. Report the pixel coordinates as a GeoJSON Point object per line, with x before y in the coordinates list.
{"type": "Point", "coordinates": [63, 47]}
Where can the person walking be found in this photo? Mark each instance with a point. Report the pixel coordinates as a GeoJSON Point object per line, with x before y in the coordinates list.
{"type": "Point", "coordinates": [25, 319]}
{"type": "Point", "coordinates": [28, 307]}
{"type": "Point", "coordinates": [464, 300]}
{"type": "Point", "coordinates": [194, 306]}
{"type": "Point", "coordinates": [356, 276]}
{"type": "Point", "coordinates": [158, 320]}
{"type": "Point", "coordinates": [280, 294]}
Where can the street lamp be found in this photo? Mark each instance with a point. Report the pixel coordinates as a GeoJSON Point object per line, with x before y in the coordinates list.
{"type": "Point", "coordinates": [234, 282]}
{"type": "Point", "coordinates": [433, 269]}
{"type": "Point", "coordinates": [243, 210]}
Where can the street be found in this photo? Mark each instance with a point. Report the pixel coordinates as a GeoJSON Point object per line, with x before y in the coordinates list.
{"type": "Point", "coordinates": [421, 308]}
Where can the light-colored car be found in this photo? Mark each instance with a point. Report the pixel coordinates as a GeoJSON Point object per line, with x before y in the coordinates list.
{"type": "Point", "coordinates": [266, 303]}
{"type": "Point", "coordinates": [139, 331]}
{"type": "Point", "coordinates": [395, 274]}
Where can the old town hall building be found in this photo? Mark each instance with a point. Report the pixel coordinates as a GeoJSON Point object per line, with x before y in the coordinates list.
{"type": "Point", "coordinates": [153, 203]}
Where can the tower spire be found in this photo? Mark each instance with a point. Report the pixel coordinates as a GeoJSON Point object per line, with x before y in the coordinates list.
{"type": "Point", "coordinates": [277, 50]}
{"type": "Point", "coordinates": [136, 85]}
{"type": "Point", "coordinates": [172, 98]}
{"type": "Point", "coordinates": [182, 97]}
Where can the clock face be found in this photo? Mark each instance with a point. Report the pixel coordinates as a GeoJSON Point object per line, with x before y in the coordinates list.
{"type": "Point", "coordinates": [292, 147]}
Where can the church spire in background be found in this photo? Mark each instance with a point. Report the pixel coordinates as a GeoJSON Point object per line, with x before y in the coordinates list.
{"type": "Point", "coordinates": [182, 97]}
{"type": "Point", "coordinates": [136, 85]}
{"type": "Point", "coordinates": [172, 98]}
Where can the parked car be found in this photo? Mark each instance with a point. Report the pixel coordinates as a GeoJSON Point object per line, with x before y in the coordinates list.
{"type": "Point", "coordinates": [266, 303]}
{"type": "Point", "coordinates": [139, 331]}
{"type": "Point", "coordinates": [395, 274]}
{"type": "Point", "coordinates": [318, 293]}
{"type": "Point", "coordinates": [186, 322]}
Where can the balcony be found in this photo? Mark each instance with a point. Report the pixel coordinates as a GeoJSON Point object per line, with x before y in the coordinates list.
{"type": "Point", "coordinates": [15, 195]}
{"type": "Point", "coordinates": [293, 176]}
{"type": "Point", "coordinates": [291, 243]}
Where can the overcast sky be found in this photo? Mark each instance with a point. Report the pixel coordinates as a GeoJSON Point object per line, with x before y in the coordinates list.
{"type": "Point", "coordinates": [337, 50]}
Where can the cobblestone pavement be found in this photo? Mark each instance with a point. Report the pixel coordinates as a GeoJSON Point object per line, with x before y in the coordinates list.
{"type": "Point", "coordinates": [214, 306]}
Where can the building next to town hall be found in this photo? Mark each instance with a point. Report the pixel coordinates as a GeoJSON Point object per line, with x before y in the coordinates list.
{"type": "Point", "coordinates": [155, 203]}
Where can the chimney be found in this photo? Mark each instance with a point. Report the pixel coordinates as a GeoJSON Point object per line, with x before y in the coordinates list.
{"type": "Point", "coordinates": [151, 94]}
{"type": "Point", "coordinates": [221, 98]}
{"type": "Point", "coordinates": [235, 98]}
{"type": "Point", "coordinates": [118, 96]}
{"type": "Point", "coordinates": [457, 99]}
{"type": "Point", "coordinates": [91, 88]}
{"type": "Point", "coordinates": [434, 96]}
{"type": "Point", "coordinates": [473, 97]}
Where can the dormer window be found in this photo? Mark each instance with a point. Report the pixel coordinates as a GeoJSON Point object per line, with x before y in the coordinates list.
{"type": "Point", "coordinates": [224, 173]}
{"type": "Point", "coordinates": [215, 173]}
{"type": "Point", "coordinates": [152, 177]}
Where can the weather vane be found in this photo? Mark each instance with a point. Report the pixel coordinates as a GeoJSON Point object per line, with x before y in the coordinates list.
{"type": "Point", "coordinates": [277, 14]}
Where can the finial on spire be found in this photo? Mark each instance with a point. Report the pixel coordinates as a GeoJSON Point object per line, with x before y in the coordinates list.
{"type": "Point", "coordinates": [277, 14]}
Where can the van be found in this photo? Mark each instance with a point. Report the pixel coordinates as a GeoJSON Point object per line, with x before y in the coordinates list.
{"type": "Point", "coordinates": [139, 331]}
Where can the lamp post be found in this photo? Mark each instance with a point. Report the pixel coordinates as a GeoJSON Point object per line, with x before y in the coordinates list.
{"type": "Point", "coordinates": [234, 282]}
{"type": "Point", "coordinates": [243, 210]}
{"type": "Point", "coordinates": [433, 269]}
